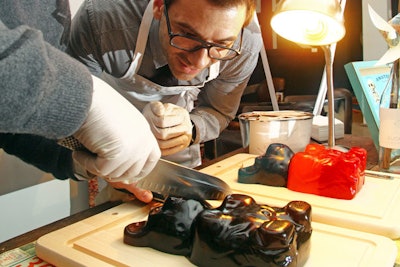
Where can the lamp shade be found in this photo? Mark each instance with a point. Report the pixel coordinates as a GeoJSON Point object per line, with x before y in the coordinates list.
{"type": "Point", "coordinates": [309, 22]}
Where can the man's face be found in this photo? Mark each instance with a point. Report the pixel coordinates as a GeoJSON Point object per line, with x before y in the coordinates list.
{"type": "Point", "coordinates": [201, 20]}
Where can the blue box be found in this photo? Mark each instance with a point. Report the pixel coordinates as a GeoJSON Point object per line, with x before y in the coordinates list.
{"type": "Point", "coordinates": [368, 82]}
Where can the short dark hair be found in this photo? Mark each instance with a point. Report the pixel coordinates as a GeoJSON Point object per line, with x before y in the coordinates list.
{"type": "Point", "coordinates": [250, 5]}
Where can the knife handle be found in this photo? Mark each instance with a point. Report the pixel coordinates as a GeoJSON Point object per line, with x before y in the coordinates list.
{"type": "Point", "coordinates": [73, 144]}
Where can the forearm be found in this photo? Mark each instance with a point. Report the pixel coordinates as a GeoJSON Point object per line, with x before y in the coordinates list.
{"type": "Point", "coordinates": [215, 112]}
{"type": "Point", "coordinates": [42, 153]}
{"type": "Point", "coordinates": [44, 91]}
{"type": "Point", "coordinates": [219, 100]}
{"type": "Point", "coordinates": [83, 43]}
{"type": "Point", "coordinates": [206, 123]}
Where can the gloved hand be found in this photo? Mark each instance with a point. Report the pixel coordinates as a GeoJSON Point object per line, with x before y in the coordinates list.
{"type": "Point", "coordinates": [171, 126]}
{"type": "Point", "coordinates": [123, 147]}
{"type": "Point", "coordinates": [112, 192]}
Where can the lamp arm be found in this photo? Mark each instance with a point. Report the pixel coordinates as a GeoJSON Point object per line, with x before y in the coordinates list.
{"type": "Point", "coordinates": [268, 76]}
{"type": "Point", "coordinates": [319, 103]}
{"type": "Point", "coordinates": [329, 83]}
{"type": "Point", "coordinates": [267, 70]}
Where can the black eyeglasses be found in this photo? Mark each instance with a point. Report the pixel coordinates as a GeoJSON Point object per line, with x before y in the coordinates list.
{"type": "Point", "coordinates": [190, 44]}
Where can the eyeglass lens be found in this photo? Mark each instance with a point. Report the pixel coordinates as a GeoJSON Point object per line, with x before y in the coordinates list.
{"type": "Point", "coordinates": [189, 44]}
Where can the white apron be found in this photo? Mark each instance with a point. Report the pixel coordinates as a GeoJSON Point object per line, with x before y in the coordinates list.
{"type": "Point", "coordinates": [139, 90]}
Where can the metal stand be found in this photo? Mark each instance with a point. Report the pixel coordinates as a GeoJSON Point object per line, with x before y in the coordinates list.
{"type": "Point", "coordinates": [267, 71]}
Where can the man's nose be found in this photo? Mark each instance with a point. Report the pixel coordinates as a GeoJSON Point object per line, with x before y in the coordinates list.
{"type": "Point", "coordinates": [200, 59]}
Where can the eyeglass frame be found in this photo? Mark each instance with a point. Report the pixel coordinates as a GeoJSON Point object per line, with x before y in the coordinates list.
{"type": "Point", "coordinates": [204, 44]}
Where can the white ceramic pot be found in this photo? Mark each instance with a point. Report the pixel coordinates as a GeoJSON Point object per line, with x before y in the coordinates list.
{"type": "Point", "coordinates": [259, 129]}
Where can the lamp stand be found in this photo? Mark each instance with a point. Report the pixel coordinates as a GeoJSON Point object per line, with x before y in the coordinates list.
{"type": "Point", "coordinates": [330, 93]}
{"type": "Point", "coordinates": [267, 70]}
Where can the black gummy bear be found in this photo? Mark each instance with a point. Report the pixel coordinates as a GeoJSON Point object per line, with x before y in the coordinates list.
{"type": "Point", "coordinates": [240, 232]}
{"type": "Point", "coordinates": [168, 227]}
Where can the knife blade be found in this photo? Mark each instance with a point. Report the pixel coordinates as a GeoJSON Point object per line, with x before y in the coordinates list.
{"type": "Point", "coordinates": [171, 179]}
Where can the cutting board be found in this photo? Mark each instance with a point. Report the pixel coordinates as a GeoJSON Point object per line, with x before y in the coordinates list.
{"type": "Point", "coordinates": [97, 241]}
{"type": "Point", "coordinates": [375, 209]}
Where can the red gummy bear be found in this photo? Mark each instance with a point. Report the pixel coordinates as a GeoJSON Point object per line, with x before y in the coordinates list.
{"type": "Point", "coordinates": [328, 172]}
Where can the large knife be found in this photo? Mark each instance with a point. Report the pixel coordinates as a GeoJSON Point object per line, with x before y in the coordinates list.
{"type": "Point", "coordinates": [168, 178]}
{"type": "Point", "coordinates": [171, 179]}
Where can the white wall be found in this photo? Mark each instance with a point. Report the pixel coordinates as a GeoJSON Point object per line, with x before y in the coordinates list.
{"type": "Point", "coordinates": [29, 198]}
{"type": "Point", "coordinates": [32, 207]}
{"type": "Point", "coordinates": [374, 46]}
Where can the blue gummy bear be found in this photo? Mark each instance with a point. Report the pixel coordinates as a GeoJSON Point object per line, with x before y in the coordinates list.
{"type": "Point", "coordinates": [269, 169]}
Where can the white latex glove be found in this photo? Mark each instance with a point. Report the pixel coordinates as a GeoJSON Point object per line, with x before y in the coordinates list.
{"type": "Point", "coordinates": [171, 126]}
{"type": "Point", "coordinates": [124, 148]}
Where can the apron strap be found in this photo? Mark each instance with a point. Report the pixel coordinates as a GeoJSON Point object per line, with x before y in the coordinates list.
{"type": "Point", "coordinates": [214, 71]}
{"type": "Point", "coordinates": [144, 31]}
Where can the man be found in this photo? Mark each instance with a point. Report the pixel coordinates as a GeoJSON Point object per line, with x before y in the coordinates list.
{"type": "Point", "coordinates": [46, 94]}
{"type": "Point", "coordinates": [183, 63]}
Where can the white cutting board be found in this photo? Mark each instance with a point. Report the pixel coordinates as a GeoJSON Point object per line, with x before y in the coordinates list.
{"type": "Point", "coordinates": [375, 209]}
{"type": "Point", "coordinates": [97, 241]}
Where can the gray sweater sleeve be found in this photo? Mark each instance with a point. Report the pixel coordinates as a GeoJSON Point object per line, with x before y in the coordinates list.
{"type": "Point", "coordinates": [43, 90]}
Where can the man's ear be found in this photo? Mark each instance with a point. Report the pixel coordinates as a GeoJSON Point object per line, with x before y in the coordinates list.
{"type": "Point", "coordinates": [158, 7]}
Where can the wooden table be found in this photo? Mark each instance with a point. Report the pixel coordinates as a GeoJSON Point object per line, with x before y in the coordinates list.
{"type": "Point", "coordinates": [33, 235]}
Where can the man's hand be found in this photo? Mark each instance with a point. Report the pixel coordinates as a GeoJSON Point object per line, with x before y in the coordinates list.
{"type": "Point", "coordinates": [171, 126]}
{"type": "Point", "coordinates": [109, 193]}
{"type": "Point", "coordinates": [141, 194]}
{"type": "Point", "coordinates": [123, 146]}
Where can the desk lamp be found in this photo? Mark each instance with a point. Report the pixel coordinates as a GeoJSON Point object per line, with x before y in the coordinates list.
{"type": "Point", "coordinates": [313, 23]}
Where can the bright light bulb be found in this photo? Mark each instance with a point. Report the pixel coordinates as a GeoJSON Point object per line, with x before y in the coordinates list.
{"type": "Point", "coordinates": [307, 27]}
